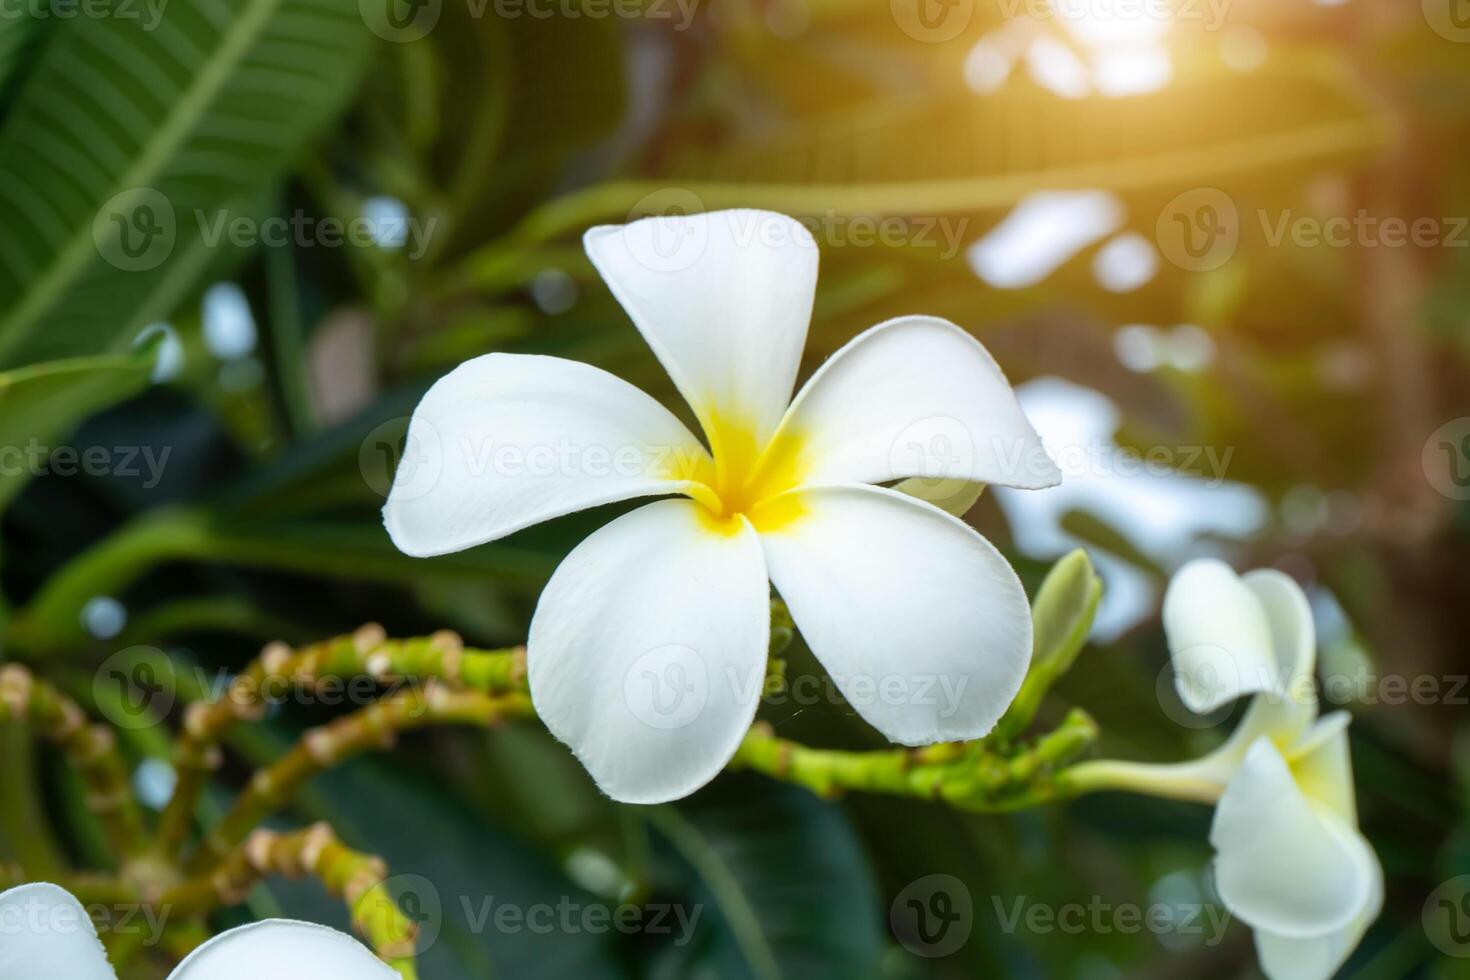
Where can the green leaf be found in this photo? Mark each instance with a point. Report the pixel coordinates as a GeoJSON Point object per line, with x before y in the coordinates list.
{"type": "Point", "coordinates": [454, 871]}
{"type": "Point", "coordinates": [782, 883]}
{"type": "Point", "coordinates": [129, 144]}
{"type": "Point", "coordinates": [15, 40]}
{"type": "Point", "coordinates": [43, 402]}
{"type": "Point", "coordinates": [970, 154]}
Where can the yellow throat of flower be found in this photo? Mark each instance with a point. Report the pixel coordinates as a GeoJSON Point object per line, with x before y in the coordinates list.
{"type": "Point", "coordinates": [746, 478]}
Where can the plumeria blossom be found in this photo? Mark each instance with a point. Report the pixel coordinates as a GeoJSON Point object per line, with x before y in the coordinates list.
{"type": "Point", "coordinates": [1290, 861]}
{"type": "Point", "coordinates": [648, 646]}
{"type": "Point", "coordinates": [46, 933]}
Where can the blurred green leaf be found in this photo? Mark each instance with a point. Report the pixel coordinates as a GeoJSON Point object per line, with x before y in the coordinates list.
{"type": "Point", "coordinates": [784, 887]}
{"type": "Point", "coordinates": [42, 403]}
{"type": "Point", "coordinates": [453, 871]}
{"type": "Point", "coordinates": [132, 141]}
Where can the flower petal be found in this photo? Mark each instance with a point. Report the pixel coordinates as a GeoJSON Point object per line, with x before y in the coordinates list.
{"type": "Point", "coordinates": [915, 396]}
{"type": "Point", "coordinates": [505, 441]}
{"type": "Point", "coordinates": [1285, 865]}
{"type": "Point", "coordinates": [724, 299]}
{"type": "Point", "coordinates": [1324, 769]}
{"type": "Point", "coordinates": [1319, 957]}
{"type": "Point", "coordinates": [647, 649]}
{"type": "Point", "coordinates": [1219, 637]}
{"type": "Point", "coordinates": [1294, 644]}
{"type": "Point", "coordinates": [45, 932]}
{"type": "Point", "coordinates": [283, 949]}
{"type": "Point", "coordinates": [922, 624]}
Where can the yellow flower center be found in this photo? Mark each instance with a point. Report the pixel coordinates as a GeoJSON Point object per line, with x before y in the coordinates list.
{"type": "Point", "coordinates": [748, 479]}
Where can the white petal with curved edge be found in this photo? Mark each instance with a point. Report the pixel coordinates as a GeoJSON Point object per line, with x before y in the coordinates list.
{"type": "Point", "coordinates": [1283, 864]}
{"type": "Point", "coordinates": [1294, 644]}
{"type": "Point", "coordinates": [915, 396]}
{"type": "Point", "coordinates": [505, 441]}
{"type": "Point", "coordinates": [724, 299]}
{"type": "Point", "coordinates": [283, 949]}
{"type": "Point", "coordinates": [647, 649]}
{"type": "Point", "coordinates": [46, 934]}
{"type": "Point", "coordinates": [1319, 957]}
{"type": "Point", "coordinates": [922, 624]}
{"type": "Point", "coordinates": [1219, 639]}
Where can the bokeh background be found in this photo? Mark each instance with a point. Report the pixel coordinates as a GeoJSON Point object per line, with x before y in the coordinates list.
{"type": "Point", "coordinates": [1221, 249]}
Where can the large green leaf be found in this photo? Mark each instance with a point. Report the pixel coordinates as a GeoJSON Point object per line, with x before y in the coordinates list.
{"type": "Point", "coordinates": [15, 39]}
{"type": "Point", "coordinates": [131, 140]}
{"type": "Point", "coordinates": [454, 872]}
{"type": "Point", "coordinates": [782, 884]}
{"type": "Point", "coordinates": [41, 403]}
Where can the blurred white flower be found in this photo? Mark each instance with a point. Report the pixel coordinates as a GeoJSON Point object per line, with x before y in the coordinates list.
{"type": "Point", "coordinates": [46, 933]}
{"type": "Point", "coordinates": [648, 646]}
{"type": "Point", "coordinates": [1290, 860]}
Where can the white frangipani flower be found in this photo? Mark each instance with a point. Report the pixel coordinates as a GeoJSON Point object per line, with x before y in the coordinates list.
{"type": "Point", "coordinates": [648, 646]}
{"type": "Point", "coordinates": [46, 933]}
{"type": "Point", "coordinates": [1290, 861]}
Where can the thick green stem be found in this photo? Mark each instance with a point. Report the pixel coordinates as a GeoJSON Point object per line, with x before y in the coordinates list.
{"type": "Point", "coordinates": [90, 749]}
{"type": "Point", "coordinates": [376, 726]}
